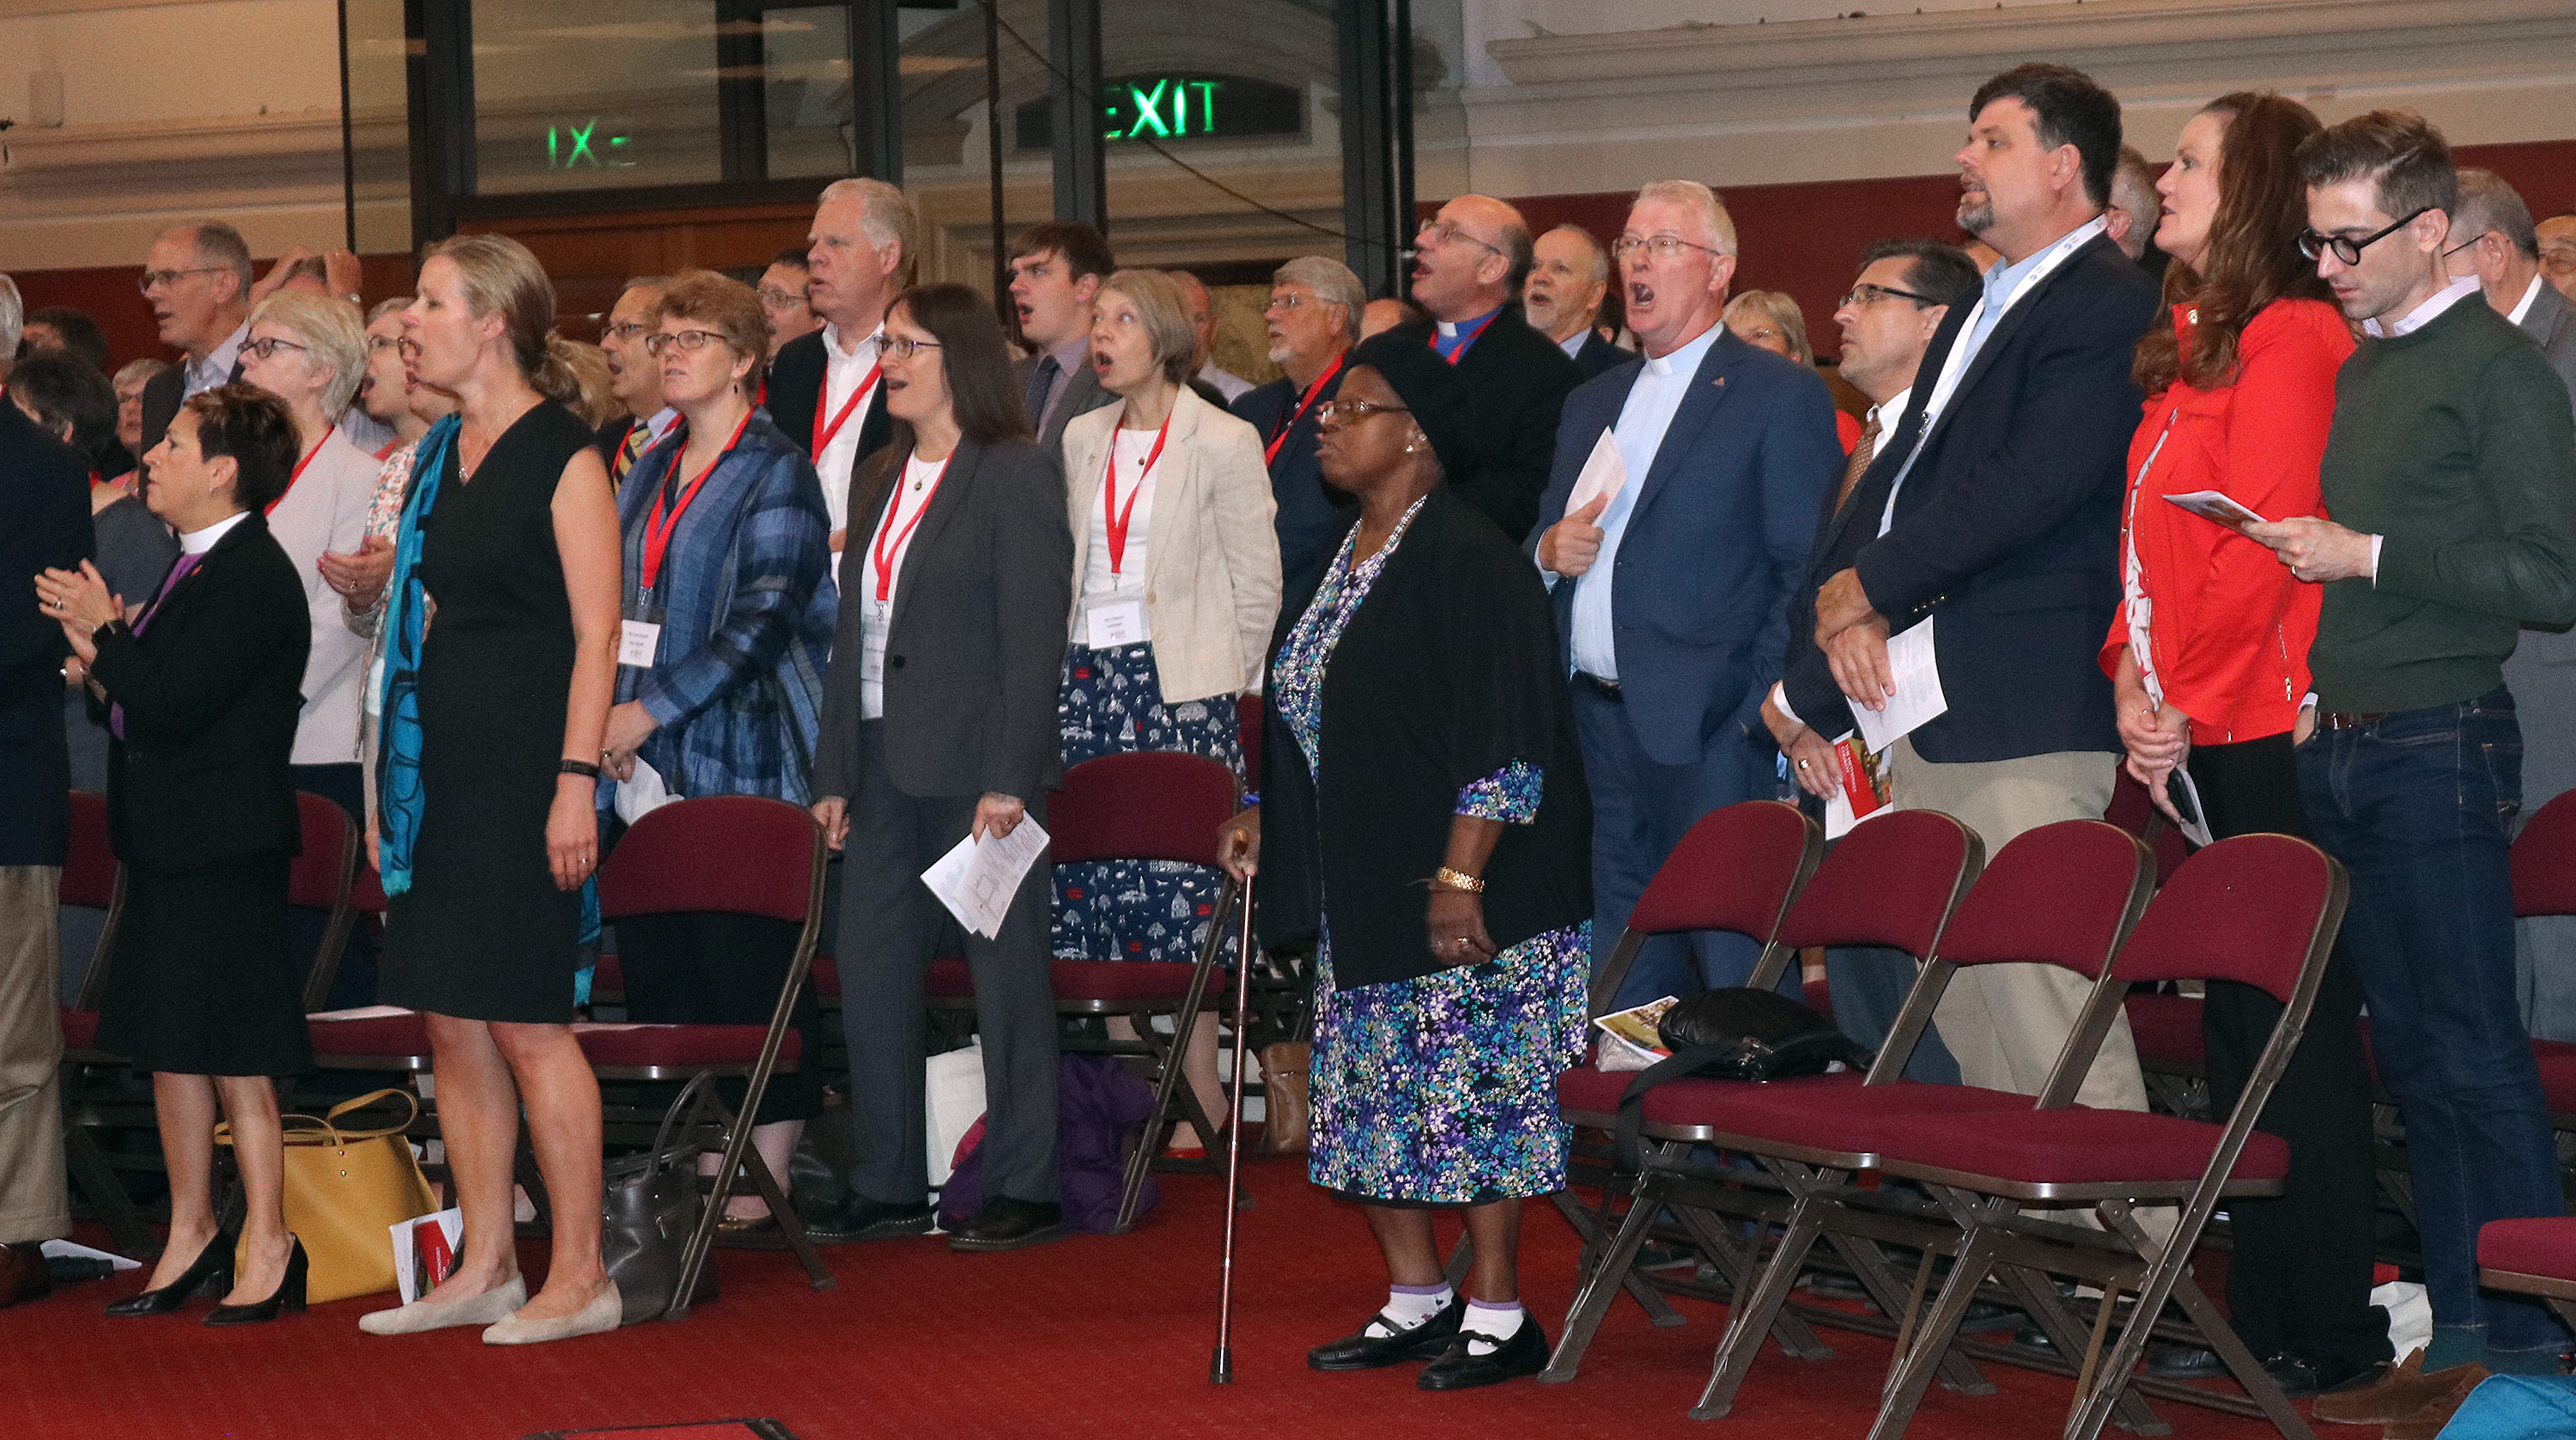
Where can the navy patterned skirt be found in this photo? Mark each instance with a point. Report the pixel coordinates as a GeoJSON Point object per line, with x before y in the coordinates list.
{"type": "Point", "coordinates": [1111, 704]}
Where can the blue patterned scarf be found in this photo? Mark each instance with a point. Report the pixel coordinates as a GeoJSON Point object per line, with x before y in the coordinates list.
{"type": "Point", "coordinates": [398, 797]}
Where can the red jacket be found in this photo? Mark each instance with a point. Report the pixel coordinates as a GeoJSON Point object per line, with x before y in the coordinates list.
{"type": "Point", "coordinates": [2230, 628]}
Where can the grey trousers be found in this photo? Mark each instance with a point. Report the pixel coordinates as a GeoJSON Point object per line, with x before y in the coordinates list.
{"type": "Point", "coordinates": [34, 1204]}
{"type": "Point", "coordinates": [890, 929]}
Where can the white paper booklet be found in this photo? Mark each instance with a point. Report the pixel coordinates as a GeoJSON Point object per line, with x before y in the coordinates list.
{"type": "Point", "coordinates": [1604, 472]}
{"type": "Point", "coordinates": [977, 878]}
{"type": "Point", "coordinates": [2211, 505]}
{"type": "Point", "coordinates": [1918, 696]}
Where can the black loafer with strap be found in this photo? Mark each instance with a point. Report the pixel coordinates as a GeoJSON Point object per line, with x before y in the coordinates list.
{"type": "Point", "coordinates": [1525, 1353]}
{"type": "Point", "coordinates": [1377, 1345]}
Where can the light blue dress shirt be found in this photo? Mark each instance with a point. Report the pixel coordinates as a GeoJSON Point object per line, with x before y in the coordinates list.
{"type": "Point", "coordinates": [1652, 402]}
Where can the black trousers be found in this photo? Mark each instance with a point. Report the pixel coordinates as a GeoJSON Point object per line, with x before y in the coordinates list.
{"type": "Point", "coordinates": [2299, 1282]}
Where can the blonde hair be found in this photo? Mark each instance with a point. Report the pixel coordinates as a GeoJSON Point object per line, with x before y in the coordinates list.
{"type": "Point", "coordinates": [334, 336]}
{"type": "Point", "coordinates": [501, 276]}
{"type": "Point", "coordinates": [1712, 211]}
{"type": "Point", "coordinates": [886, 216]}
{"type": "Point", "coordinates": [596, 404]}
{"type": "Point", "coordinates": [1165, 311]}
{"type": "Point", "coordinates": [1776, 307]}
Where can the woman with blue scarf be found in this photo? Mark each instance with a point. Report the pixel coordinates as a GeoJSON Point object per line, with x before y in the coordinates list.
{"type": "Point", "coordinates": [502, 653]}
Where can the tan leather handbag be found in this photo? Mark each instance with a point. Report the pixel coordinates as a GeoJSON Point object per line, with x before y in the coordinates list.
{"type": "Point", "coordinates": [345, 1189]}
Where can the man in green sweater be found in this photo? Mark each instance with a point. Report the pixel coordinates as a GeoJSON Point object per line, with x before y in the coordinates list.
{"type": "Point", "coordinates": [2451, 477]}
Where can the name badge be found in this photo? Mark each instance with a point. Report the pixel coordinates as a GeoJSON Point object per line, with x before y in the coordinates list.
{"type": "Point", "coordinates": [639, 643]}
{"type": "Point", "coordinates": [872, 643]}
{"type": "Point", "coordinates": [1112, 626]}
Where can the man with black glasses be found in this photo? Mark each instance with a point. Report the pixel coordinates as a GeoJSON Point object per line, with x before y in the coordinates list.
{"type": "Point", "coordinates": [2451, 474]}
{"type": "Point", "coordinates": [197, 280]}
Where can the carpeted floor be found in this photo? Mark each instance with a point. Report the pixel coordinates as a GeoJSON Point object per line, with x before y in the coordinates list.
{"type": "Point", "coordinates": [1096, 1337]}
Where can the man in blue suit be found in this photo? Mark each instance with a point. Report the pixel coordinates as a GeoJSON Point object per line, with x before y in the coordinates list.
{"type": "Point", "coordinates": [1672, 595]}
{"type": "Point", "coordinates": [1995, 510]}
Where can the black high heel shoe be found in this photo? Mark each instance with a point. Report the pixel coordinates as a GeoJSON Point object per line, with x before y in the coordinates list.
{"type": "Point", "coordinates": [289, 1294]}
{"type": "Point", "coordinates": [211, 1273]}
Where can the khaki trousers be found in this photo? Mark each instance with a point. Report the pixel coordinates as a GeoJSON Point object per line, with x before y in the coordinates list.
{"type": "Point", "coordinates": [34, 1204]}
{"type": "Point", "coordinates": [2006, 1023]}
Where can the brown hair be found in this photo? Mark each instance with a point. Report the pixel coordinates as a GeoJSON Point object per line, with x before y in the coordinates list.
{"type": "Point", "coordinates": [974, 357]}
{"type": "Point", "coordinates": [2406, 157]}
{"type": "Point", "coordinates": [254, 428]}
{"type": "Point", "coordinates": [1171, 341]}
{"type": "Point", "coordinates": [2252, 255]}
{"type": "Point", "coordinates": [728, 307]}
{"type": "Point", "coordinates": [501, 275]}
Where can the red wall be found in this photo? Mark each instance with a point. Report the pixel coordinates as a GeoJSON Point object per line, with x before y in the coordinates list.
{"type": "Point", "coordinates": [1808, 238]}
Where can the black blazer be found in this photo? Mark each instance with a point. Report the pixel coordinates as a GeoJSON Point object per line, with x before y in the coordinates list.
{"type": "Point", "coordinates": [796, 382]}
{"type": "Point", "coordinates": [44, 524]}
{"type": "Point", "coordinates": [1511, 385]}
{"type": "Point", "coordinates": [161, 397]}
{"type": "Point", "coordinates": [1313, 516]}
{"type": "Point", "coordinates": [1599, 357]}
{"type": "Point", "coordinates": [2008, 528]}
{"type": "Point", "coordinates": [975, 653]}
{"type": "Point", "coordinates": [210, 692]}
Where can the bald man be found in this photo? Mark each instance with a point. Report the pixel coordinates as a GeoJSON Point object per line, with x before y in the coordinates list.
{"type": "Point", "coordinates": [1569, 278]}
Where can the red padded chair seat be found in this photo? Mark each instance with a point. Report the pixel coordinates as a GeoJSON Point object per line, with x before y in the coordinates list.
{"type": "Point", "coordinates": [1592, 1094]}
{"type": "Point", "coordinates": [2530, 1247]}
{"type": "Point", "coordinates": [2557, 1062]}
{"type": "Point", "coordinates": [2167, 1027]}
{"type": "Point", "coordinates": [2081, 1146]}
{"type": "Point", "coordinates": [825, 976]}
{"type": "Point", "coordinates": [683, 1045]}
{"type": "Point", "coordinates": [608, 978]}
{"type": "Point", "coordinates": [386, 1035]}
{"type": "Point", "coordinates": [80, 1029]}
{"type": "Point", "coordinates": [1078, 980]}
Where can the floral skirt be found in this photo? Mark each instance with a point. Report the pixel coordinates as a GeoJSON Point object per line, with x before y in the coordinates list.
{"type": "Point", "coordinates": [1442, 1090]}
{"type": "Point", "coordinates": [1111, 704]}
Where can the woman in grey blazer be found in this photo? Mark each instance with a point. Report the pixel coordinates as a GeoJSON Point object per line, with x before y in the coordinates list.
{"type": "Point", "coordinates": [939, 721]}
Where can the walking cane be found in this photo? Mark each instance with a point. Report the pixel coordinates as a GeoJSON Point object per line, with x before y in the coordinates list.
{"type": "Point", "coordinates": [1221, 1365]}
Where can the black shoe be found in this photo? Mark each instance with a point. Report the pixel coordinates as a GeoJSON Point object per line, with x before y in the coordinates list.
{"type": "Point", "coordinates": [2300, 1378]}
{"type": "Point", "coordinates": [1362, 1350]}
{"type": "Point", "coordinates": [289, 1294]}
{"type": "Point", "coordinates": [2186, 1362]}
{"type": "Point", "coordinates": [211, 1273]}
{"type": "Point", "coordinates": [1523, 1354]}
{"type": "Point", "coordinates": [860, 1218]}
{"type": "Point", "coordinates": [1008, 1224]}
{"type": "Point", "coordinates": [1834, 1285]}
{"type": "Point", "coordinates": [2031, 1336]}
{"type": "Point", "coordinates": [1984, 1317]}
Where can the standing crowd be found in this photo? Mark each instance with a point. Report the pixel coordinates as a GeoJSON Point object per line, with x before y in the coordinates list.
{"type": "Point", "coordinates": [1517, 606]}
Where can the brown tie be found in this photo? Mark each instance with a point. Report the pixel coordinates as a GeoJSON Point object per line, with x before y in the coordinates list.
{"type": "Point", "coordinates": [1862, 450]}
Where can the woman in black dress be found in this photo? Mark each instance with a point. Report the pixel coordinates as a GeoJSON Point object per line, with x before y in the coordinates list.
{"type": "Point", "coordinates": [200, 695]}
{"type": "Point", "coordinates": [497, 679]}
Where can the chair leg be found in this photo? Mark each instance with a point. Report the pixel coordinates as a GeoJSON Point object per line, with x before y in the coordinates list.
{"type": "Point", "coordinates": [126, 1229]}
{"type": "Point", "coordinates": [1959, 1374]}
{"type": "Point", "coordinates": [1757, 1308]}
{"type": "Point", "coordinates": [1587, 1228]}
{"type": "Point", "coordinates": [789, 1224]}
{"type": "Point", "coordinates": [2168, 1277]}
{"type": "Point", "coordinates": [1462, 1262]}
{"type": "Point", "coordinates": [693, 1258]}
{"type": "Point", "coordinates": [1915, 1367]}
{"type": "Point", "coordinates": [1740, 1261]}
{"type": "Point", "coordinates": [1600, 1282]}
{"type": "Point", "coordinates": [1168, 1086]}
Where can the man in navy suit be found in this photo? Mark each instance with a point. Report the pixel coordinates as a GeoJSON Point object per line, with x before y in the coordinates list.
{"type": "Point", "coordinates": [1672, 595]}
{"type": "Point", "coordinates": [1995, 510]}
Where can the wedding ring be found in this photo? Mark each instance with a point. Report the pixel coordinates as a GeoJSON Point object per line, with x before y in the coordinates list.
{"type": "Point", "coordinates": [1802, 764]}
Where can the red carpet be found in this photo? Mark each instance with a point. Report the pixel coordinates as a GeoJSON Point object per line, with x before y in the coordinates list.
{"type": "Point", "coordinates": [1095, 1337]}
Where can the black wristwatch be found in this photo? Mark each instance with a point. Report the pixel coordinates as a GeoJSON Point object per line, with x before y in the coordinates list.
{"type": "Point", "coordinates": [577, 767]}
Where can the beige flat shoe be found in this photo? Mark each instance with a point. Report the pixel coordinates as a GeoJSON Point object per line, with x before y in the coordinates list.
{"type": "Point", "coordinates": [598, 1317]}
{"type": "Point", "coordinates": [493, 1304]}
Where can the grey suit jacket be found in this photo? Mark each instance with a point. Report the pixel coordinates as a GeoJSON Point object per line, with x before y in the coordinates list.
{"type": "Point", "coordinates": [1081, 394]}
{"type": "Point", "coordinates": [975, 647]}
{"type": "Point", "coordinates": [2541, 672]}
{"type": "Point", "coordinates": [2552, 321]}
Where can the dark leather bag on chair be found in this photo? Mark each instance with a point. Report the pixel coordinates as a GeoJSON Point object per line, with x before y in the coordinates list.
{"type": "Point", "coordinates": [652, 1205]}
{"type": "Point", "coordinates": [1734, 1034]}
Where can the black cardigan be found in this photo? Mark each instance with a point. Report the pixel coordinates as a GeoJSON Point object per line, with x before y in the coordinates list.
{"type": "Point", "coordinates": [1447, 672]}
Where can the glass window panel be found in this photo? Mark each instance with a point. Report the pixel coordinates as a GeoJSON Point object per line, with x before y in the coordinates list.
{"type": "Point", "coordinates": [573, 95]}
{"type": "Point", "coordinates": [805, 52]}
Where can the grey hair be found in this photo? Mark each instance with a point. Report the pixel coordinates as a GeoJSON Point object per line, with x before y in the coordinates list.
{"type": "Point", "coordinates": [220, 244]}
{"type": "Point", "coordinates": [1691, 193]}
{"type": "Point", "coordinates": [13, 321]}
{"type": "Point", "coordinates": [333, 335]}
{"type": "Point", "coordinates": [392, 305]}
{"type": "Point", "coordinates": [1592, 243]}
{"type": "Point", "coordinates": [1333, 284]}
{"type": "Point", "coordinates": [886, 214]}
{"type": "Point", "coordinates": [2487, 203]}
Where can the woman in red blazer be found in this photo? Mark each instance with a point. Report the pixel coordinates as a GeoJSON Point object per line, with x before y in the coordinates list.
{"type": "Point", "coordinates": [2208, 657]}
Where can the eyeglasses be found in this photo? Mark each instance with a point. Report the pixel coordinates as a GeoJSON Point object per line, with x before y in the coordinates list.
{"type": "Point", "coordinates": [1343, 412]}
{"type": "Point", "coordinates": [691, 341]}
{"type": "Point", "coordinates": [2558, 259]}
{"type": "Point", "coordinates": [2470, 243]}
{"type": "Point", "coordinates": [2345, 248]}
{"type": "Point", "coordinates": [1866, 295]}
{"type": "Point", "coordinates": [1661, 247]}
{"type": "Point", "coordinates": [268, 347]}
{"type": "Point", "coordinates": [902, 347]}
{"type": "Point", "coordinates": [1290, 301]}
{"type": "Point", "coordinates": [625, 331]}
{"type": "Point", "coordinates": [383, 342]}
{"type": "Point", "coordinates": [1446, 231]}
{"type": "Point", "coordinates": [772, 295]}
{"type": "Point", "coordinates": [152, 280]}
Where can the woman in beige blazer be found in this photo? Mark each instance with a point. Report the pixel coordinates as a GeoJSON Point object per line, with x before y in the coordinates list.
{"type": "Point", "coordinates": [1176, 586]}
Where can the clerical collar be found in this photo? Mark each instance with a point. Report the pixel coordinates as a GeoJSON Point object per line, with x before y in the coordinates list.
{"type": "Point", "coordinates": [198, 542]}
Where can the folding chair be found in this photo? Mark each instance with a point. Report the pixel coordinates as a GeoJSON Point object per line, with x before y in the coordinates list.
{"type": "Point", "coordinates": [2531, 1257]}
{"type": "Point", "coordinates": [2064, 894]}
{"type": "Point", "coordinates": [1147, 805]}
{"type": "Point", "coordinates": [741, 855]}
{"type": "Point", "coordinates": [2544, 884]}
{"type": "Point", "coordinates": [2261, 910]}
{"type": "Point", "coordinates": [1738, 870]}
{"type": "Point", "coordinates": [1892, 882]}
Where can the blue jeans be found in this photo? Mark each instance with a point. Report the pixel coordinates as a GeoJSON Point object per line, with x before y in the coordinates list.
{"type": "Point", "coordinates": [2418, 806]}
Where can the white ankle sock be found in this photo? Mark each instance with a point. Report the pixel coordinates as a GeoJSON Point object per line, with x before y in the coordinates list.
{"type": "Point", "coordinates": [1499, 1319]}
{"type": "Point", "coordinates": [1409, 1306]}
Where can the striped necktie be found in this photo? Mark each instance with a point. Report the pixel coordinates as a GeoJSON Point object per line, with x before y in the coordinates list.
{"type": "Point", "coordinates": [631, 447]}
{"type": "Point", "coordinates": [1862, 450]}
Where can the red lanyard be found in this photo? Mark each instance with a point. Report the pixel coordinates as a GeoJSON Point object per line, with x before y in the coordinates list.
{"type": "Point", "coordinates": [888, 553]}
{"type": "Point", "coordinates": [1463, 341]}
{"type": "Point", "coordinates": [271, 507]}
{"type": "Point", "coordinates": [823, 433]}
{"type": "Point", "coordinates": [664, 517]}
{"type": "Point", "coordinates": [1111, 516]}
{"type": "Point", "coordinates": [1270, 452]}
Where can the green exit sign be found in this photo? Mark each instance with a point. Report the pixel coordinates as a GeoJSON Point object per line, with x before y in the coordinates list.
{"type": "Point", "coordinates": [574, 147]}
{"type": "Point", "coordinates": [1180, 107]}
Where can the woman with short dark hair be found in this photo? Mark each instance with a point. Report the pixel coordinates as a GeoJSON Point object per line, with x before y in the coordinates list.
{"type": "Point", "coordinates": [200, 691]}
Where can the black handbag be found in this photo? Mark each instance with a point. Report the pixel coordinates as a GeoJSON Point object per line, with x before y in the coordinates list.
{"type": "Point", "coordinates": [652, 1205]}
{"type": "Point", "coordinates": [1734, 1034]}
